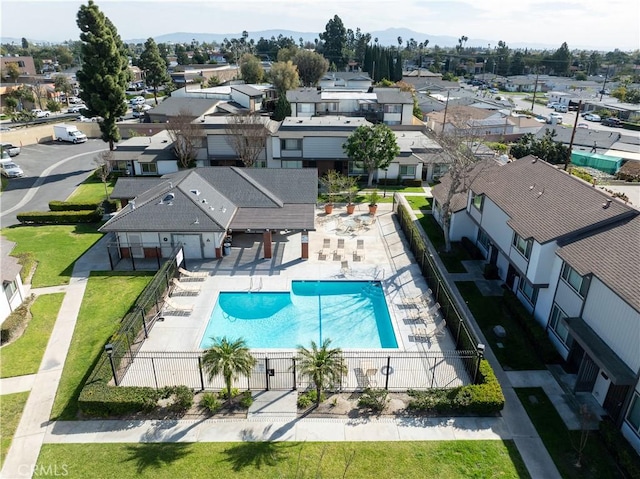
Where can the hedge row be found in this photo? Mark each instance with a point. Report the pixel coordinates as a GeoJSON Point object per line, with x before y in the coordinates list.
{"type": "Point", "coordinates": [483, 399]}
{"type": "Point", "coordinates": [59, 217]}
{"type": "Point", "coordinates": [534, 331]}
{"type": "Point", "coordinates": [72, 206]}
{"type": "Point", "coordinates": [16, 320]}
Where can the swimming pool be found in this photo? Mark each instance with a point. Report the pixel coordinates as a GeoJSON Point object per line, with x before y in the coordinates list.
{"type": "Point", "coordinates": [353, 314]}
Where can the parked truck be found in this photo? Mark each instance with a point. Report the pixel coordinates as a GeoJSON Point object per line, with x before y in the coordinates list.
{"type": "Point", "coordinates": [70, 133]}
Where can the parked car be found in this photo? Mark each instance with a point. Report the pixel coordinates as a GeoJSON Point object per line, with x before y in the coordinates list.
{"type": "Point", "coordinates": [583, 125]}
{"type": "Point", "coordinates": [604, 92]}
{"type": "Point", "coordinates": [592, 117]}
{"type": "Point", "coordinates": [561, 108]}
{"type": "Point", "coordinates": [76, 108]}
{"type": "Point", "coordinates": [85, 119]}
{"type": "Point", "coordinates": [40, 113]}
{"type": "Point", "coordinates": [10, 149]}
{"type": "Point", "coordinates": [138, 100]}
{"type": "Point", "coordinates": [75, 100]}
{"type": "Point", "coordinates": [9, 169]}
{"type": "Point", "coordinates": [552, 104]}
{"type": "Point", "coordinates": [612, 121]}
{"type": "Point", "coordinates": [138, 111]}
{"type": "Point", "coordinates": [556, 116]}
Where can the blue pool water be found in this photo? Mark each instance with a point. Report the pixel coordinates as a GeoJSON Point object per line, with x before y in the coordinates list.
{"type": "Point", "coordinates": [353, 314]}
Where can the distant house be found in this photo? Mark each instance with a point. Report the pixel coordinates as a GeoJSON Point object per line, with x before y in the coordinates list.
{"type": "Point", "coordinates": [345, 81]}
{"type": "Point", "coordinates": [569, 253]}
{"type": "Point", "coordinates": [145, 156]}
{"type": "Point", "coordinates": [172, 106]}
{"type": "Point", "coordinates": [12, 288]}
{"type": "Point", "coordinates": [24, 64]}
{"type": "Point", "coordinates": [200, 208]}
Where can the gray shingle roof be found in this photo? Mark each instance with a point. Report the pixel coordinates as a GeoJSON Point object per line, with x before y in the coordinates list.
{"type": "Point", "coordinates": [613, 255]}
{"type": "Point", "coordinates": [127, 188]}
{"type": "Point", "coordinates": [390, 95]}
{"type": "Point", "coordinates": [546, 203]}
{"type": "Point", "coordinates": [208, 199]}
{"type": "Point", "coordinates": [10, 266]}
{"type": "Point", "coordinates": [195, 106]}
{"type": "Point", "coordinates": [247, 90]}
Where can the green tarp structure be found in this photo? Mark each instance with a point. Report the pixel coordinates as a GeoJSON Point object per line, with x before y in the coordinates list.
{"type": "Point", "coordinates": [608, 164]}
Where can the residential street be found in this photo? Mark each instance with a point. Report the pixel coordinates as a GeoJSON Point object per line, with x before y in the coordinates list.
{"type": "Point", "coordinates": [52, 171]}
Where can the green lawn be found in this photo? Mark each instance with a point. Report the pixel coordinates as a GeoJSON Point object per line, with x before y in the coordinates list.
{"type": "Point", "coordinates": [419, 202]}
{"type": "Point", "coordinates": [451, 260]}
{"type": "Point", "coordinates": [517, 353]}
{"type": "Point", "coordinates": [91, 191]}
{"type": "Point", "coordinates": [98, 319]}
{"type": "Point", "coordinates": [561, 443]}
{"type": "Point", "coordinates": [56, 249]}
{"type": "Point", "coordinates": [11, 406]}
{"type": "Point", "coordinates": [24, 355]}
{"type": "Point", "coordinates": [407, 460]}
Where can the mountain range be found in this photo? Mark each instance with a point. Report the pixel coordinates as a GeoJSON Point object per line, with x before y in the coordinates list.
{"type": "Point", "coordinates": [388, 37]}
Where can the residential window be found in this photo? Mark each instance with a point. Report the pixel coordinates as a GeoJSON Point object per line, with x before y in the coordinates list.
{"type": "Point", "coordinates": [356, 168]}
{"type": "Point", "coordinates": [408, 170]}
{"type": "Point", "coordinates": [10, 288]}
{"type": "Point", "coordinates": [633, 416]}
{"type": "Point", "coordinates": [528, 290]}
{"type": "Point", "coordinates": [260, 164]}
{"type": "Point", "coordinates": [393, 108]}
{"type": "Point", "coordinates": [290, 144]}
{"type": "Point", "coordinates": [558, 324]}
{"type": "Point", "coordinates": [483, 239]}
{"type": "Point", "coordinates": [149, 168]}
{"type": "Point", "coordinates": [478, 201]}
{"type": "Point", "coordinates": [440, 169]}
{"type": "Point", "coordinates": [292, 163]}
{"type": "Point", "coordinates": [579, 283]}
{"type": "Point", "coordinates": [522, 245]}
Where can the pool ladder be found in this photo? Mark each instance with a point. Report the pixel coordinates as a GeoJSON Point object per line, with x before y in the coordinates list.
{"type": "Point", "coordinates": [258, 286]}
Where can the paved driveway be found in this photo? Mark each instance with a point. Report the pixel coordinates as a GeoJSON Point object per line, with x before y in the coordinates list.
{"type": "Point", "coordinates": [52, 172]}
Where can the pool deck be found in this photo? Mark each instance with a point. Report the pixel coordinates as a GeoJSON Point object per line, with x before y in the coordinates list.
{"type": "Point", "coordinates": [385, 256]}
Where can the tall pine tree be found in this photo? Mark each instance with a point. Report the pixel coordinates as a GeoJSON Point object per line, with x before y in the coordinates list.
{"type": "Point", "coordinates": [105, 74]}
{"type": "Point", "coordinates": [154, 67]}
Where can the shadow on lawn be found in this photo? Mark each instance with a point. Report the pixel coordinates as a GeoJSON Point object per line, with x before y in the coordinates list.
{"type": "Point", "coordinates": [156, 455]}
{"type": "Point", "coordinates": [256, 454]}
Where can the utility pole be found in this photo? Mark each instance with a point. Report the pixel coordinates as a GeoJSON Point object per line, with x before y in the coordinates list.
{"type": "Point", "coordinates": [535, 89]}
{"type": "Point", "coordinates": [605, 83]}
{"type": "Point", "coordinates": [573, 134]}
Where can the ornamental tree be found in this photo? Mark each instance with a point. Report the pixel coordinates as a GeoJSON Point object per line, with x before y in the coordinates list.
{"type": "Point", "coordinates": [373, 146]}
{"type": "Point", "coordinates": [105, 74]}
{"type": "Point", "coordinates": [154, 67]}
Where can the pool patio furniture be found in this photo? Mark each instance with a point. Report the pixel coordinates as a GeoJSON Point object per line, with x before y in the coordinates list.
{"type": "Point", "coordinates": [358, 254]}
{"type": "Point", "coordinates": [172, 306]}
{"type": "Point", "coordinates": [344, 267]}
{"type": "Point", "coordinates": [195, 275]}
{"type": "Point", "coordinates": [339, 252]}
{"type": "Point", "coordinates": [422, 300]}
{"type": "Point", "coordinates": [326, 246]}
{"type": "Point", "coordinates": [186, 288]}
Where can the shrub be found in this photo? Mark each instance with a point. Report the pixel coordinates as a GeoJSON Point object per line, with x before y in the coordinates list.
{"type": "Point", "coordinates": [71, 206]}
{"type": "Point", "coordinates": [536, 334]}
{"type": "Point", "coordinates": [308, 398]}
{"type": "Point", "coordinates": [224, 394]}
{"type": "Point", "coordinates": [412, 182]}
{"type": "Point", "coordinates": [620, 448]}
{"type": "Point", "coordinates": [59, 217]}
{"type": "Point", "coordinates": [247, 400]}
{"type": "Point", "coordinates": [374, 399]}
{"type": "Point", "coordinates": [182, 397]}
{"type": "Point", "coordinates": [16, 320]}
{"type": "Point", "coordinates": [483, 399]}
{"type": "Point", "coordinates": [100, 399]}
{"type": "Point", "coordinates": [210, 402]}
{"type": "Point", "coordinates": [27, 260]}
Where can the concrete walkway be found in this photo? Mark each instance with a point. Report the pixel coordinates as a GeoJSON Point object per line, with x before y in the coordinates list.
{"type": "Point", "coordinates": [272, 417]}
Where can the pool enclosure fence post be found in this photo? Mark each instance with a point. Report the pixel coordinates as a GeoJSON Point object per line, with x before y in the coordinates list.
{"type": "Point", "coordinates": [386, 379]}
{"type": "Point", "coordinates": [295, 385]}
{"type": "Point", "coordinates": [266, 371]}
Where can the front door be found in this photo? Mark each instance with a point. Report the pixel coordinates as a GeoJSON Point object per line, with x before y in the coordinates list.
{"type": "Point", "coordinates": [601, 387]}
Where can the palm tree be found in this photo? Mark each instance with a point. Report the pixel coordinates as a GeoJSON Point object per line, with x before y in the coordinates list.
{"type": "Point", "coordinates": [231, 359]}
{"type": "Point", "coordinates": [323, 365]}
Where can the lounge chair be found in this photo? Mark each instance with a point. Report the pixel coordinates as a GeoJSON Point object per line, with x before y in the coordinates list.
{"type": "Point", "coordinates": [188, 288]}
{"type": "Point", "coordinates": [358, 254]}
{"type": "Point", "coordinates": [344, 267]}
{"type": "Point", "coordinates": [171, 306]}
{"type": "Point", "coordinates": [199, 275]}
{"type": "Point", "coordinates": [422, 300]}
{"type": "Point", "coordinates": [339, 252]}
{"type": "Point", "coordinates": [326, 246]}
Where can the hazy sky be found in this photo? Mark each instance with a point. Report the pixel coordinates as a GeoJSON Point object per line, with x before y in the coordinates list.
{"type": "Point", "coordinates": [581, 23]}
